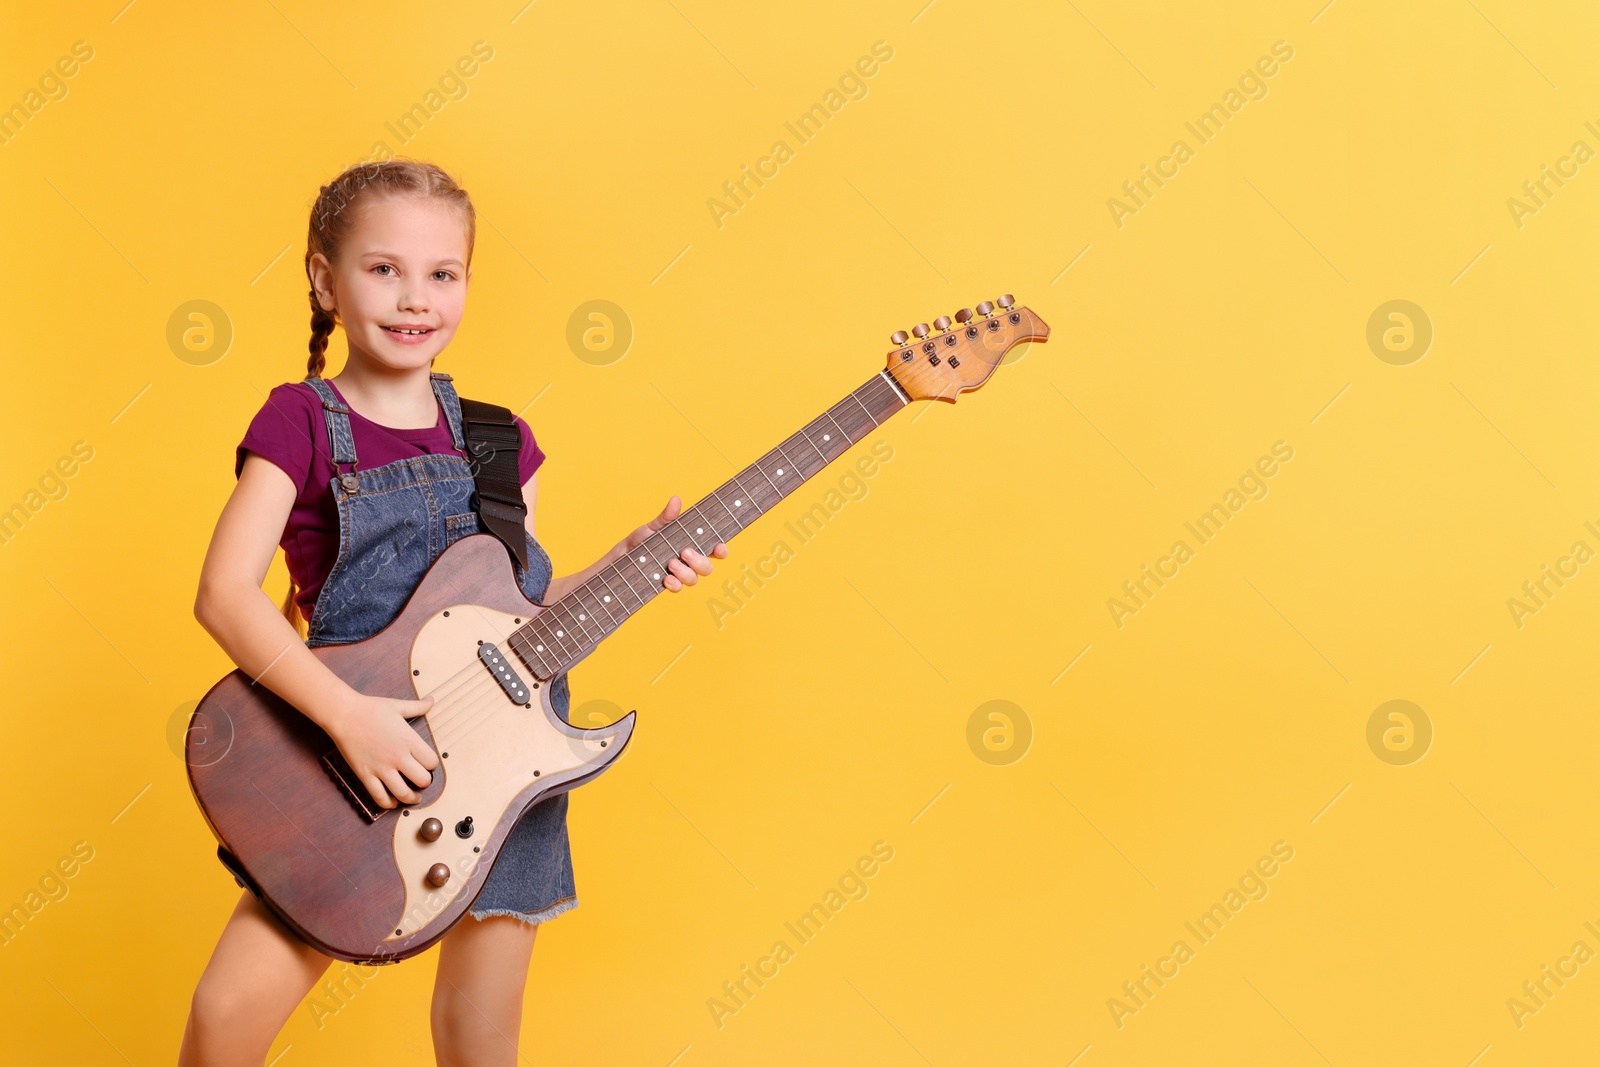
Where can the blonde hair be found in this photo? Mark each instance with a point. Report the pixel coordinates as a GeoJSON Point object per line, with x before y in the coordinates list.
{"type": "Point", "coordinates": [331, 218]}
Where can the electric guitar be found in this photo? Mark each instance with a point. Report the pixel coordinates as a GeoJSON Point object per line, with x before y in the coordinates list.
{"type": "Point", "coordinates": [364, 883]}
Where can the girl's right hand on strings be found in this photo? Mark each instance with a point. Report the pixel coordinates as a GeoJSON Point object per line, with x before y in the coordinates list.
{"type": "Point", "coordinates": [383, 749]}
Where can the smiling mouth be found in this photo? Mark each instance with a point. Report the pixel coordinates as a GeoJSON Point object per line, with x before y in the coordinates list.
{"type": "Point", "coordinates": [408, 332]}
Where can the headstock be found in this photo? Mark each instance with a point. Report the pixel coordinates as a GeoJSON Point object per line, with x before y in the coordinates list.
{"type": "Point", "coordinates": [955, 356]}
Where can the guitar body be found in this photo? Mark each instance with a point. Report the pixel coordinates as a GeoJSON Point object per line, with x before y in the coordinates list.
{"type": "Point", "coordinates": [350, 878]}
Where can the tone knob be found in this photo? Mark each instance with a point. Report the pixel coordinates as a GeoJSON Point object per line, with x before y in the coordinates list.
{"type": "Point", "coordinates": [985, 307]}
{"type": "Point", "coordinates": [1005, 301]}
{"type": "Point", "coordinates": [942, 322]}
{"type": "Point", "coordinates": [438, 875]}
{"type": "Point", "coordinates": [921, 330]}
{"type": "Point", "coordinates": [899, 337]}
{"type": "Point", "coordinates": [431, 829]}
{"type": "Point", "coordinates": [964, 315]}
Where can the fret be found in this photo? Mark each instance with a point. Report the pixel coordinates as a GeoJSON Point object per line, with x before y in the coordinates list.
{"type": "Point", "coordinates": [852, 418]}
{"type": "Point", "coordinates": [828, 442]}
{"type": "Point", "coordinates": [777, 493]}
{"type": "Point", "coordinates": [536, 653]}
{"type": "Point", "coordinates": [590, 613]}
{"type": "Point", "coordinates": [677, 535]}
{"type": "Point", "coordinates": [862, 404]}
{"type": "Point", "coordinates": [732, 520]}
{"type": "Point", "coordinates": [697, 530]}
{"type": "Point", "coordinates": [629, 576]}
{"type": "Point", "coordinates": [900, 394]}
{"type": "Point", "coordinates": [522, 644]}
{"type": "Point", "coordinates": [810, 460]}
{"type": "Point", "coordinates": [780, 471]}
{"type": "Point", "coordinates": [600, 603]}
{"type": "Point", "coordinates": [648, 567]}
{"type": "Point", "coordinates": [756, 490]}
{"type": "Point", "coordinates": [559, 631]}
{"type": "Point", "coordinates": [608, 597]}
{"type": "Point", "coordinates": [744, 509]}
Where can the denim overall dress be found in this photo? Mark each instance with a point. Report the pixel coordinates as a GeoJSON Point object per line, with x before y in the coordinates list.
{"type": "Point", "coordinates": [394, 521]}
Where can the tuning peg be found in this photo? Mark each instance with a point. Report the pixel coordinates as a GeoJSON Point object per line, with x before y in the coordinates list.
{"type": "Point", "coordinates": [964, 315]}
{"type": "Point", "coordinates": [1005, 301]}
{"type": "Point", "coordinates": [942, 322]}
{"type": "Point", "coordinates": [899, 337]}
{"type": "Point", "coordinates": [921, 330]}
{"type": "Point", "coordinates": [985, 307]}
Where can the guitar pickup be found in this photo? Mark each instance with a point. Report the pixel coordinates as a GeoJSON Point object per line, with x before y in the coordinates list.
{"type": "Point", "coordinates": [503, 672]}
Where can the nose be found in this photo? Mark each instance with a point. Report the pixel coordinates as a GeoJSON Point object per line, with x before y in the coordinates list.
{"type": "Point", "coordinates": [413, 297]}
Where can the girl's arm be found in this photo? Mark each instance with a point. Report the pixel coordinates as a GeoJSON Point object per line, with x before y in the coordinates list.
{"type": "Point", "coordinates": [233, 608]}
{"type": "Point", "coordinates": [685, 570]}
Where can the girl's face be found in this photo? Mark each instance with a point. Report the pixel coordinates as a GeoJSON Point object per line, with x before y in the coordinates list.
{"type": "Point", "coordinates": [400, 283]}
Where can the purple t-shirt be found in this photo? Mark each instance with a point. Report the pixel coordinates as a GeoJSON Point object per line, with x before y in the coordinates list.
{"type": "Point", "coordinates": [289, 430]}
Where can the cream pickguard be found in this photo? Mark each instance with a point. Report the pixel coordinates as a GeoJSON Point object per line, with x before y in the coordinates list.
{"type": "Point", "coordinates": [496, 749]}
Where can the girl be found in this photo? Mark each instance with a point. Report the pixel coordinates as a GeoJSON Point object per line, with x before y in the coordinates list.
{"type": "Point", "coordinates": [389, 255]}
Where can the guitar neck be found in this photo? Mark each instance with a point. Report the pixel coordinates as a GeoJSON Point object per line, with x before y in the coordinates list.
{"type": "Point", "coordinates": [567, 631]}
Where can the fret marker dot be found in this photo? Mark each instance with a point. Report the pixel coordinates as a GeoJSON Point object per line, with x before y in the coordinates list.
{"type": "Point", "coordinates": [824, 437]}
{"type": "Point", "coordinates": [538, 648]}
{"type": "Point", "coordinates": [582, 616]}
{"type": "Point", "coordinates": [608, 600]}
{"type": "Point", "coordinates": [780, 472]}
{"type": "Point", "coordinates": [641, 559]}
{"type": "Point", "coordinates": [699, 529]}
{"type": "Point", "coordinates": [736, 503]}
{"type": "Point", "coordinates": [560, 633]}
{"type": "Point", "coordinates": [657, 575]}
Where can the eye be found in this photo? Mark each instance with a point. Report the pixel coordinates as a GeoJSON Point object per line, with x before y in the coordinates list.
{"type": "Point", "coordinates": [382, 266]}
{"type": "Point", "coordinates": [448, 276]}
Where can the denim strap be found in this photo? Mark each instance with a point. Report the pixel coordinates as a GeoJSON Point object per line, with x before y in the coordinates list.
{"type": "Point", "coordinates": [452, 407]}
{"type": "Point", "coordinates": [337, 416]}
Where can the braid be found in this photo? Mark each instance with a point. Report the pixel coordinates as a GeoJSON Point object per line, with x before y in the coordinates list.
{"type": "Point", "coordinates": [322, 325]}
{"type": "Point", "coordinates": [331, 220]}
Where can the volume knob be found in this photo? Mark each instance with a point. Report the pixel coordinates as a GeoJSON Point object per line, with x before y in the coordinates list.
{"type": "Point", "coordinates": [438, 875]}
{"type": "Point", "coordinates": [430, 829]}
{"type": "Point", "coordinates": [942, 322]}
{"type": "Point", "coordinates": [1005, 301]}
{"type": "Point", "coordinates": [921, 330]}
{"type": "Point", "coordinates": [899, 337]}
{"type": "Point", "coordinates": [985, 307]}
{"type": "Point", "coordinates": [964, 315]}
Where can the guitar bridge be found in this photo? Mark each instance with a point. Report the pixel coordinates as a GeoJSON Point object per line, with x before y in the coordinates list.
{"type": "Point", "coordinates": [337, 766]}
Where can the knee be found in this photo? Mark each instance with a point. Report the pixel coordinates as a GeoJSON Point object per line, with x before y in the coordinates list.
{"type": "Point", "coordinates": [217, 1012]}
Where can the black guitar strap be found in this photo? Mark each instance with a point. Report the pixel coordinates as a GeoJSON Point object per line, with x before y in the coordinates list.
{"type": "Point", "coordinates": [493, 442]}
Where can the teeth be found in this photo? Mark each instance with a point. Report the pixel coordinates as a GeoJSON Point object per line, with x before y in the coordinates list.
{"type": "Point", "coordinates": [395, 329]}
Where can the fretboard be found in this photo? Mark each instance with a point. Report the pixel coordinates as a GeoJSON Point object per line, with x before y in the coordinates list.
{"type": "Point", "coordinates": [573, 626]}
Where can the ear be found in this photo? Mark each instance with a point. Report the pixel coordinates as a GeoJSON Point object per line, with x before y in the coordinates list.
{"type": "Point", "coordinates": [321, 272]}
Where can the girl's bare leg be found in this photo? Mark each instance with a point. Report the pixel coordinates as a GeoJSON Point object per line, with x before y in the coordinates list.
{"type": "Point", "coordinates": [477, 995]}
{"type": "Point", "coordinates": [257, 974]}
